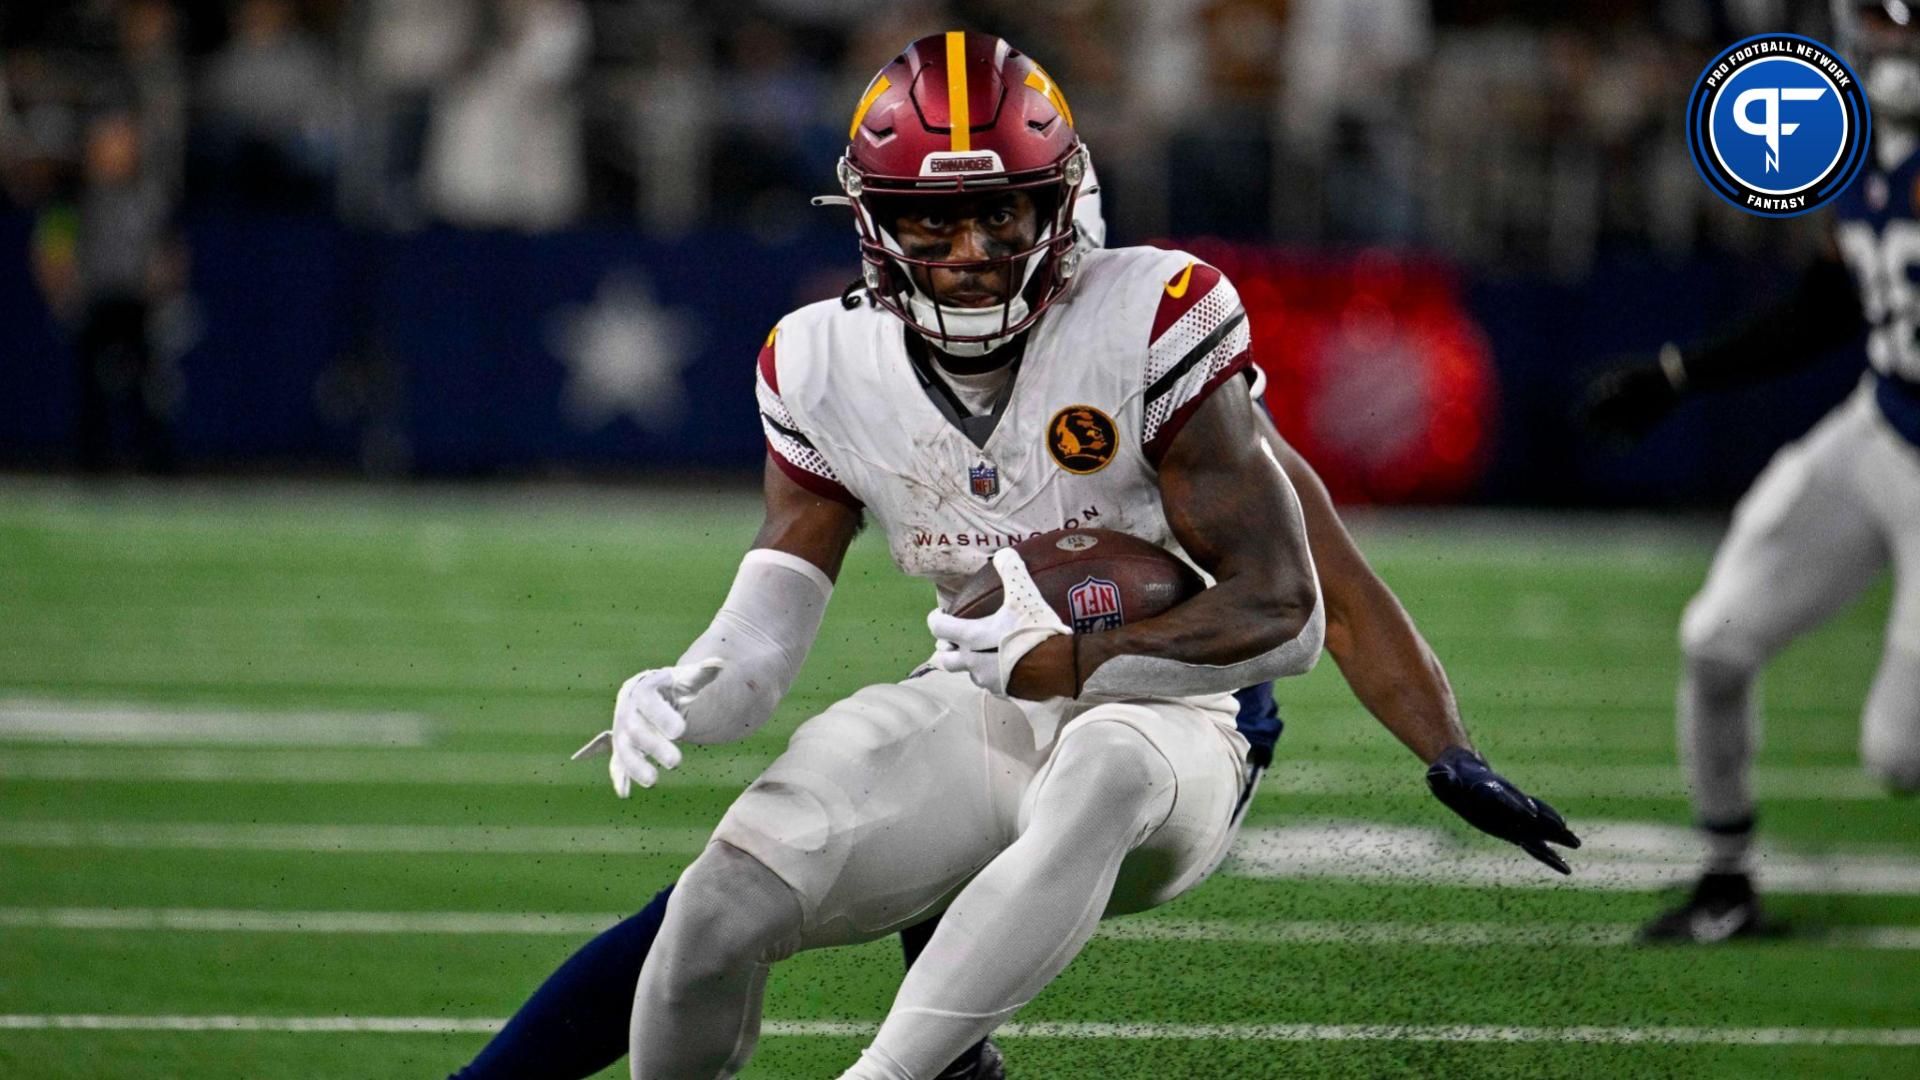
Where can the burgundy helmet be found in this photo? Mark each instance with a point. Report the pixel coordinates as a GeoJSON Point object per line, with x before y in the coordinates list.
{"type": "Point", "coordinates": [959, 114]}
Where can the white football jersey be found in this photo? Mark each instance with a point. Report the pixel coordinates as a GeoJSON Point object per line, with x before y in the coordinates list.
{"type": "Point", "coordinates": [1109, 374]}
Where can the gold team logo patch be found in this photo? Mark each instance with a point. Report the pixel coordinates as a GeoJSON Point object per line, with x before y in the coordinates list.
{"type": "Point", "coordinates": [1081, 439]}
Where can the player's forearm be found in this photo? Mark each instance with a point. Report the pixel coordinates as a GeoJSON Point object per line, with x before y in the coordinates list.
{"type": "Point", "coordinates": [1390, 667]}
{"type": "Point", "coordinates": [762, 635]}
{"type": "Point", "coordinates": [1372, 638]}
{"type": "Point", "coordinates": [1247, 629]}
{"type": "Point", "coordinates": [1820, 314]}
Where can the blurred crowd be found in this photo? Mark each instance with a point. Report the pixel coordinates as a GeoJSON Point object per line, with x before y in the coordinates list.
{"type": "Point", "coordinates": [1498, 131]}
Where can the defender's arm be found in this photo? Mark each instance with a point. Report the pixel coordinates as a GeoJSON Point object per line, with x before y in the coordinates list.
{"type": "Point", "coordinates": [1400, 681]}
{"type": "Point", "coordinates": [1822, 312]}
{"type": "Point", "coordinates": [1235, 512]}
{"type": "Point", "coordinates": [1372, 638]}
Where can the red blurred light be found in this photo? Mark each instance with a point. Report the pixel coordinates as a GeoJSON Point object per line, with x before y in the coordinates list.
{"type": "Point", "coordinates": [1376, 372]}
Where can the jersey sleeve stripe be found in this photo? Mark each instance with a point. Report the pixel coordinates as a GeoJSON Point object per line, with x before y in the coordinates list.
{"type": "Point", "coordinates": [1207, 345]}
{"type": "Point", "coordinates": [1163, 434]}
{"type": "Point", "coordinates": [792, 450]}
{"type": "Point", "coordinates": [822, 486]}
{"type": "Point", "coordinates": [790, 434]}
{"type": "Point", "coordinates": [1200, 314]}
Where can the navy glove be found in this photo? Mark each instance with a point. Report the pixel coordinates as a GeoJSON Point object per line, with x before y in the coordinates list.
{"type": "Point", "coordinates": [1625, 403]}
{"type": "Point", "coordinates": [1461, 779]}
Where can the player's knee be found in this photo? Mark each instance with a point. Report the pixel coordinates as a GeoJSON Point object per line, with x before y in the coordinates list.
{"type": "Point", "coordinates": [1714, 646]}
{"type": "Point", "coordinates": [1112, 772]}
{"type": "Point", "coordinates": [1720, 661]}
{"type": "Point", "coordinates": [732, 910]}
{"type": "Point", "coordinates": [1892, 761]}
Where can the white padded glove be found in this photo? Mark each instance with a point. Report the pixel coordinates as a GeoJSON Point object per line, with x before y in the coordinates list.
{"type": "Point", "coordinates": [989, 648]}
{"type": "Point", "coordinates": [648, 715]}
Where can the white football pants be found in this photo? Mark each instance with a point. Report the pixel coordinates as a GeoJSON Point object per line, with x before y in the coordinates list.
{"type": "Point", "coordinates": [904, 799]}
{"type": "Point", "coordinates": [1828, 513]}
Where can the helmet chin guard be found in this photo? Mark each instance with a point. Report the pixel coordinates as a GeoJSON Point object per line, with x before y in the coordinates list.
{"type": "Point", "coordinates": [992, 326]}
{"type": "Point", "coordinates": [962, 115]}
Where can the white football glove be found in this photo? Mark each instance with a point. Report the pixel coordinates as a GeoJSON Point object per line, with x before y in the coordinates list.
{"type": "Point", "coordinates": [647, 717]}
{"type": "Point", "coordinates": [989, 648]}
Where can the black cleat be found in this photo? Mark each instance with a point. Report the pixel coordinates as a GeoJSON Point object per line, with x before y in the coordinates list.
{"type": "Point", "coordinates": [982, 1062]}
{"type": "Point", "coordinates": [1721, 907]}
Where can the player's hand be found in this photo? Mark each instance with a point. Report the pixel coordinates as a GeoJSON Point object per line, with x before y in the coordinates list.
{"type": "Point", "coordinates": [648, 714]}
{"type": "Point", "coordinates": [989, 648]}
{"type": "Point", "coordinates": [1462, 779]}
{"type": "Point", "coordinates": [1627, 402]}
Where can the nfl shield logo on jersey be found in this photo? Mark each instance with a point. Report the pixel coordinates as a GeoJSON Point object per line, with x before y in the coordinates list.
{"type": "Point", "coordinates": [1095, 604]}
{"type": "Point", "coordinates": [984, 480]}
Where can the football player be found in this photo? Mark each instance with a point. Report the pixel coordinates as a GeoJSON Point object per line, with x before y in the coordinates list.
{"type": "Point", "coordinates": [1829, 512]}
{"type": "Point", "coordinates": [993, 380]}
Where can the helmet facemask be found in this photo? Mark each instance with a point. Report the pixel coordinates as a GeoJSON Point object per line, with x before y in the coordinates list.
{"type": "Point", "coordinates": [1034, 276]}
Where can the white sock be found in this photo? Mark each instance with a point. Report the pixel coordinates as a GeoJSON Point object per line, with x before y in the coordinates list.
{"type": "Point", "coordinates": [1719, 728]}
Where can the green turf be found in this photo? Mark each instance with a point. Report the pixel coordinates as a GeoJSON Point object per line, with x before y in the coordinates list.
{"type": "Point", "coordinates": [505, 619]}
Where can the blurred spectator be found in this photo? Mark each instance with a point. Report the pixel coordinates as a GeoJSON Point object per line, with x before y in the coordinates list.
{"type": "Point", "coordinates": [103, 266]}
{"type": "Point", "coordinates": [272, 110]}
{"type": "Point", "coordinates": [1346, 110]}
{"type": "Point", "coordinates": [155, 72]}
{"type": "Point", "coordinates": [1221, 153]}
{"type": "Point", "coordinates": [505, 148]}
{"type": "Point", "coordinates": [673, 107]}
{"type": "Point", "coordinates": [12, 138]}
{"type": "Point", "coordinates": [768, 145]}
{"type": "Point", "coordinates": [410, 47]}
{"type": "Point", "coordinates": [1316, 122]}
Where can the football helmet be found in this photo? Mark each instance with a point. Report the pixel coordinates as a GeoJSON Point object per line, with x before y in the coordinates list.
{"type": "Point", "coordinates": [958, 115]}
{"type": "Point", "coordinates": [1882, 37]}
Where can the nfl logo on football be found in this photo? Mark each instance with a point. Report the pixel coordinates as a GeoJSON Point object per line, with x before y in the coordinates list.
{"type": "Point", "coordinates": [983, 480]}
{"type": "Point", "coordinates": [1095, 605]}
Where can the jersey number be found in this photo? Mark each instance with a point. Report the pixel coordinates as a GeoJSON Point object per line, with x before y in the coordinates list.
{"type": "Point", "coordinates": [1883, 265]}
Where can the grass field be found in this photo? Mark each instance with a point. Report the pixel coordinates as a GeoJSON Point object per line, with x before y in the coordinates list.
{"type": "Point", "coordinates": [285, 759]}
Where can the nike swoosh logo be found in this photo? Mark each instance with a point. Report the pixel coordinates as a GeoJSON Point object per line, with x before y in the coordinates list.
{"type": "Point", "coordinates": [1177, 288]}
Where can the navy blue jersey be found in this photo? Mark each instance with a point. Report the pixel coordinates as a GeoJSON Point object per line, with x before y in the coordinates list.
{"type": "Point", "coordinates": [1259, 721]}
{"type": "Point", "coordinates": [1877, 227]}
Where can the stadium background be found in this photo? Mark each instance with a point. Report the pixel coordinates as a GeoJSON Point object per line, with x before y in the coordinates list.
{"type": "Point", "coordinates": [445, 428]}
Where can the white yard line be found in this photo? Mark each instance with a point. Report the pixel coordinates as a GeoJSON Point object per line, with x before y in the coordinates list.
{"type": "Point", "coordinates": [36, 720]}
{"type": "Point", "coordinates": [736, 766]}
{"type": "Point", "coordinates": [358, 839]}
{"type": "Point", "coordinates": [1068, 1029]}
{"type": "Point", "coordinates": [582, 924]}
{"type": "Point", "coordinates": [568, 924]}
{"type": "Point", "coordinates": [1617, 856]}
{"type": "Point", "coordinates": [463, 768]}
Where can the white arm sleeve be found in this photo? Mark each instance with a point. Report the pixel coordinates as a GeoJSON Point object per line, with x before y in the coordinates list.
{"type": "Point", "coordinates": [762, 633]}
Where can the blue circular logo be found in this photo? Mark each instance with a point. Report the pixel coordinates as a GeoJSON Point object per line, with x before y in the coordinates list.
{"type": "Point", "coordinates": [1778, 125]}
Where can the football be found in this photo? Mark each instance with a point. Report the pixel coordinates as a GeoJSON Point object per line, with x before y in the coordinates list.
{"type": "Point", "coordinates": [1095, 579]}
